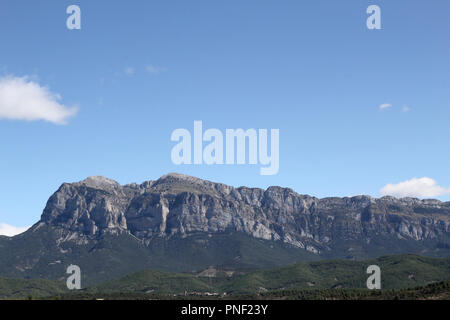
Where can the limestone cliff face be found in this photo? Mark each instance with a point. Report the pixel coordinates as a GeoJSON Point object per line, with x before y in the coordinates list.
{"type": "Point", "coordinates": [179, 204]}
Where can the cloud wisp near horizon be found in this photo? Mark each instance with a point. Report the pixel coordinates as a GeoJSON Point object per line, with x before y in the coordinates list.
{"type": "Point", "coordinates": [415, 188]}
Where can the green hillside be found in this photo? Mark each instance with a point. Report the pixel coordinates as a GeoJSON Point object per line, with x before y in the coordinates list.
{"type": "Point", "coordinates": [149, 281]}
{"type": "Point", "coordinates": [30, 288]}
{"type": "Point", "coordinates": [400, 271]}
{"type": "Point", "coordinates": [397, 272]}
{"type": "Point", "coordinates": [434, 291]}
{"type": "Point", "coordinates": [307, 280]}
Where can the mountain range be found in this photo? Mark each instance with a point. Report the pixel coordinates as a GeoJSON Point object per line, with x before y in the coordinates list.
{"type": "Point", "coordinates": [180, 223]}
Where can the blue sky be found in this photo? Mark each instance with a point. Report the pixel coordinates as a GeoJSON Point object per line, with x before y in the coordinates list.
{"type": "Point", "coordinates": [137, 70]}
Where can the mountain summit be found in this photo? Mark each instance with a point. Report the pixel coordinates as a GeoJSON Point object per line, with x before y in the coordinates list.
{"type": "Point", "coordinates": [181, 223]}
{"type": "Point", "coordinates": [180, 204]}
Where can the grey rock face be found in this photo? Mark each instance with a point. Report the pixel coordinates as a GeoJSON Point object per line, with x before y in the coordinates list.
{"type": "Point", "coordinates": [179, 204]}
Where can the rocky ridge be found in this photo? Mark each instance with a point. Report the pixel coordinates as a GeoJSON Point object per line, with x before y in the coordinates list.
{"type": "Point", "coordinates": [177, 204]}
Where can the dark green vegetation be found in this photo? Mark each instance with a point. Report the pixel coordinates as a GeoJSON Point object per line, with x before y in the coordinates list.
{"type": "Point", "coordinates": [397, 272]}
{"type": "Point", "coordinates": [35, 254]}
{"type": "Point", "coordinates": [434, 291]}
{"type": "Point", "coordinates": [29, 288]}
{"type": "Point", "coordinates": [333, 279]}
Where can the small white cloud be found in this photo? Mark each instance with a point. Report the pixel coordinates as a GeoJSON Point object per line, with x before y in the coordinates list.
{"type": "Point", "coordinates": [415, 188]}
{"type": "Point", "coordinates": [406, 109]}
{"type": "Point", "coordinates": [155, 70]}
{"type": "Point", "coordinates": [129, 71]}
{"type": "Point", "coordinates": [10, 231]}
{"type": "Point", "coordinates": [24, 99]}
{"type": "Point", "coordinates": [385, 106]}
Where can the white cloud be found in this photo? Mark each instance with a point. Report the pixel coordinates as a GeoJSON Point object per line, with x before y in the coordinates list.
{"type": "Point", "coordinates": [406, 109]}
{"type": "Point", "coordinates": [7, 230]}
{"type": "Point", "coordinates": [415, 188]}
{"type": "Point", "coordinates": [24, 99]}
{"type": "Point", "coordinates": [155, 70]}
{"type": "Point", "coordinates": [129, 71]}
{"type": "Point", "coordinates": [385, 106]}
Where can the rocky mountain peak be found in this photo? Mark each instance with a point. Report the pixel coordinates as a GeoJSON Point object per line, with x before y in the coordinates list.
{"type": "Point", "coordinates": [178, 204]}
{"type": "Point", "coordinates": [179, 176]}
{"type": "Point", "coordinates": [173, 179]}
{"type": "Point", "coordinates": [99, 182]}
